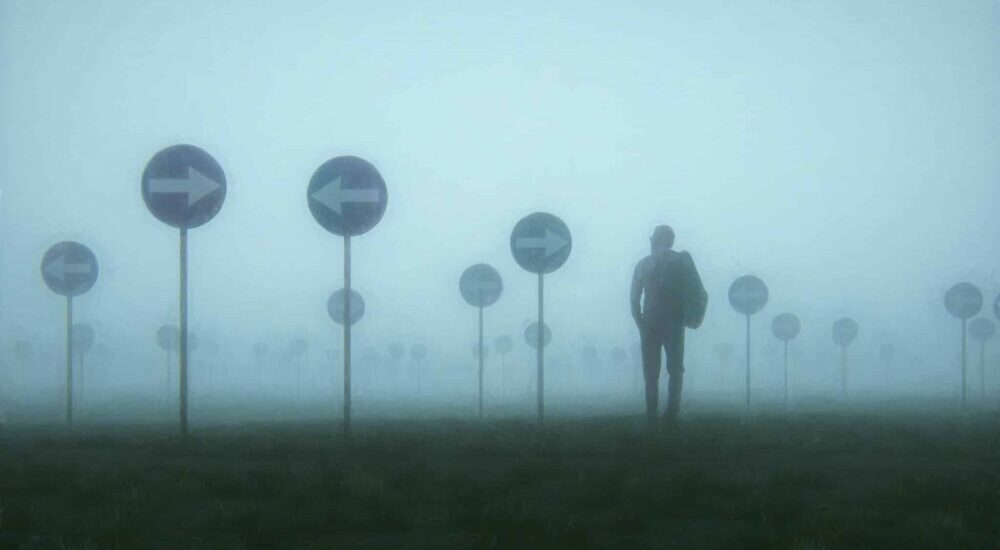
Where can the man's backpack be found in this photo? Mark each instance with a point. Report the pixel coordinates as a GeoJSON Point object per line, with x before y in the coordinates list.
{"type": "Point", "coordinates": [695, 296]}
{"type": "Point", "coordinates": [675, 289]}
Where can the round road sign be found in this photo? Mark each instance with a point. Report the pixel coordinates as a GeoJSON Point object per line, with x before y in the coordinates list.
{"type": "Point", "coordinates": [963, 301]}
{"type": "Point", "coordinates": [481, 285]}
{"type": "Point", "coordinates": [69, 268]}
{"type": "Point", "coordinates": [844, 331]}
{"type": "Point", "coordinates": [347, 196]}
{"type": "Point", "coordinates": [168, 338]}
{"type": "Point", "coordinates": [541, 243]}
{"type": "Point", "coordinates": [748, 294]}
{"type": "Point", "coordinates": [418, 352]}
{"type": "Point", "coordinates": [531, 335]}
{"type": "Point", "coordinates": [982, 329]}
{"type": "Point", "coordinates": [504, 344]}
{"type": "Point", "coordinates": [183, 186]}
{"type": "Point", "coordinates": [785, 326]}
{"type": "Point", "coordinates": [396, 351]}
{"type": "Point", "coordinates": [996, 307]}
{"type": "Point", "coordinates": [335, 307]}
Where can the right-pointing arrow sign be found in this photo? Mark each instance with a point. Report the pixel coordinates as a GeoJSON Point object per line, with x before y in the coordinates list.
{"type": "Point", "coordinates": [333, 195]}
{"type": "Point", "coordinates": [195, 185]}
{"type": "Point", "coordinates": [551, 242]}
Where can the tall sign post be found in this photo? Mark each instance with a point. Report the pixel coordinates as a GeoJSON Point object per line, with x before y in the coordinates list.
{"type": "Point", "coordinates": [982, 330]}
{"type": "Point", "coordinates": [748, 295]}
{"type": "Point", "coordinates": [347, 197]}
{"type": "Point", "coordinates": [337, 306]}
{"type": "Point", "coordinates": [183, 187]}
{"type": "Point", "coordinates": [481, 287]}
{"type": "Point", "coordinates": [887, 352]}
{"type": "Point", "coordinates": [786, 327]}
{"type": "Point", "coordinates": [541, 243]}
{"type": "Point", "coordinates": [69, 269]}
{"type": "Point", "coordinates": [963, 301]}
{"type": "Point", "coordinates": [83, 341]}
{"type": "Point", "coordinates": [845, 330]}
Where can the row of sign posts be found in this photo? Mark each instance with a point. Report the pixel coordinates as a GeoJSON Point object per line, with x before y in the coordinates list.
{"type": "Point", "coordinates": [184, 187]}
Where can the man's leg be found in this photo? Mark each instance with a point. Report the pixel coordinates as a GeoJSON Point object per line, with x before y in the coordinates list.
{"type": "Point", "coordinates": [675, 370]}
{"type": "Point", "coordinates": [651, 348]}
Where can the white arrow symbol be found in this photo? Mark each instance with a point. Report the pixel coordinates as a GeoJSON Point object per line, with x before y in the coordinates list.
{"type": "Point", "coordinates": [196, 185]}
{"type": "Point", "coordinates": [552, 242]}
{"type": "Point", "coordinates": [58, 269]}
{"type": "Point", "coordinates": [333, 195]}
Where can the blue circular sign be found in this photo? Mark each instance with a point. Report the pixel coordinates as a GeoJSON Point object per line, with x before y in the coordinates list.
{"type": "Point", "coordinates": [183, 186]}
{"type": "Point", "coordinates": [748, 295]}
{"type": "Point", "coordinates": [335, 307]}
{"type": "Point", "coordinates": [844, 331]}
{"type": "Point", "coordinates": [69, 268]}
{"type": "Point", "coordinates": [481, 285]}
{"type": "Point", "coordinates": [531, 335]}
{"type": "Point", "coordinates": [541, 243]}
{"type": "Point", "coordinates": [785, 326]}
{"type": "Point", "coordinates": [963, 301]}
{"type": "Point", "coordinates": [347, 196]}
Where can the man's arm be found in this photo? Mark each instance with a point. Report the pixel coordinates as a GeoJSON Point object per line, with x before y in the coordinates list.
{"type": "Point", "coordinates": [636, 294]}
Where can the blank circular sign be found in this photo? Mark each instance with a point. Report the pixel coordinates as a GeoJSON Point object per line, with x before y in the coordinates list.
{"type": "Point", "coordinates": [845, 330]}
{"type": "Point", "coordinates": [480, 285]}
{"type": "Point", "coordinates": [531, 335]}
{"type": "Point", "coordinates": [982, 329]}
{"type": "Point", "coordinates": [335, 307]}
{"type": "Point", "coordinates": [785, 326]}
{"type": "Point", "coordinates": [504, 344]}
{"type": "Point", "coordinates": [963, 301]}
{"type": "Point", "coordinates": [748, 295]}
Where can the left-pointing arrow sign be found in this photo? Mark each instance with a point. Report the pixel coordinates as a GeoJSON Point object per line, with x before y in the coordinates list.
{"type": "Point", "coordinates": [195, 185]}
{"type": "Point", "coordinates": [59, 268]}
{"type": "Point", "coordinates": [333, 195]}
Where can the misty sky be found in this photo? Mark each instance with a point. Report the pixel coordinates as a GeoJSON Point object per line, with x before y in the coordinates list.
{"type": "Point", "coordinates": [847, 152]}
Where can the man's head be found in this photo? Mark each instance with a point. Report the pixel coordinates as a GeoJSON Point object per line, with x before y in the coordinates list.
{"type": "Point", "coordinates": [662, 239]}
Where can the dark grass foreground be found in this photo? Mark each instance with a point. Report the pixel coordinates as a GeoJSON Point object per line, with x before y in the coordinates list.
{"type": "Point", "coordinates": [810, 482]}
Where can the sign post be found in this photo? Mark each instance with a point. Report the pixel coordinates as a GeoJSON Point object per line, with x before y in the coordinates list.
{"type": "Point", "coordinates": [481, 287]}
{"type": "Point", "coordinates": [83, 340]}
{"type": "Point", "coordinates": [347, 197]}
{"type": "Point", "coordinates": [982, 330]}
{"type": "Point", "coordinates": [786, 327]}
{"type": "Point", "coordinates": [886, 352]}
{"type": "Point", "coordinates": [748, 295]}
{"type": "Point", "coordinates": [183, 187]}
{"type": "Point", "coordinates": [845, 330]}
{"type": "Point", "coordinates": [418, 352]}
{"type": "Point", "coordinates": [541, 243]}
{"type": "Point", "coordinates": [337, 307]}
{"type": "Point", "coordinates": [69, 269]}
{"type": "Point", "coordinates": [963, 301]}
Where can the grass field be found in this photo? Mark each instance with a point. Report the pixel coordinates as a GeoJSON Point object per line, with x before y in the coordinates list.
{"type": "Point", "coordinates": [815, 481]}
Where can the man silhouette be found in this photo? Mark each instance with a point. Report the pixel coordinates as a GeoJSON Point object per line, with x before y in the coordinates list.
{"type": "Point", "coordinates": [674, 298]}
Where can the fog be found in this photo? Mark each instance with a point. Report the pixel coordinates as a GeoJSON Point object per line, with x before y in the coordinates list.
{"type": "Point", "coordinates": [843, 152]}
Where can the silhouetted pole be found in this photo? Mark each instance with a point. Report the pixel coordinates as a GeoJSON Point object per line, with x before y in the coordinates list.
{"type": "Point", "coordinates": [541, 348]}
{"type": "Point", "coordinates": [480, 362]}
{"type": "Point", "coordinates": [184, 335]}
{"type": "Point", "coordinates": [347, 334]}
{"type": "Point", "coordinates": [748, 364]}
{"type": "Point", "coordinates": [843, 372]}
{"type": "Point", "coordinates": [963, 363]}
{"type": "Point", "coordinates": [982, 369]}
{"type": "Point", "coordinates": [69, 361]}
{"type": "Point", "coordinates": [786, 375]}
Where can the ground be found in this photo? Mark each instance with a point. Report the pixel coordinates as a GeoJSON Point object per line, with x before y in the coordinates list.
{"type": "Point", "coordinates": [717, 481]}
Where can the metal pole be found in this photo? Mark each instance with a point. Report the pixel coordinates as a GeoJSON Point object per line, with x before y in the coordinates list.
{"type": "Point", "coordinates": [69, 361]}
{"type": "Point", "coordinates": [963, 365]}
{"type": "Point", "coordinates": [83, 377]}
{"type": "Point", "coordinates": [480, 362]}
{"type": "Point", "coordinates": [843, 372]}
{"type": "Point", "coordinates": [347, 334]}
{"type": "Point", "coordinates": [982, 370]}
{"type": "Point", "coordinates": [748, 364]}
{"type": "Point", "coordinates": [786, 375]}
{"type": "Point", "coordinates": [184, 335]}
{"type": "Point", "coordinates": [541, 348]}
